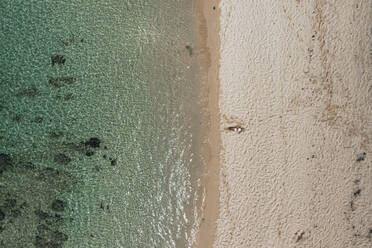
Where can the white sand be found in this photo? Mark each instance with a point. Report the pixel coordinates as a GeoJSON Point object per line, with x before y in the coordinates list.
{"type": "Point", "coordinates": [297, 75]}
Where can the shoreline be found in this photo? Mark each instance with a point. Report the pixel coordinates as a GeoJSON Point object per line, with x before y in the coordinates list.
{"type": "Point", "coordinates": [206, 29]}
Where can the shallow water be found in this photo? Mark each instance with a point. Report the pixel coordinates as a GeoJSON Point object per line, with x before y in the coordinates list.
{"type": "Point", "coordinates": [97, 110]}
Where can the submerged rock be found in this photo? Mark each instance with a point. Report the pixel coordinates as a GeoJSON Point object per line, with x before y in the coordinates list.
{"type": "Point", "coordinates": [57, 59]}
{"type": "Point", "coordinates": [93, 142]}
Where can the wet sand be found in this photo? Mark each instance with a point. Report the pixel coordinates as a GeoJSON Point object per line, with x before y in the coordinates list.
{"type": "Point", "coordinates": [207, 49]}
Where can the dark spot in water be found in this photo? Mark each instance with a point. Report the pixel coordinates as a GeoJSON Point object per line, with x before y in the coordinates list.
{"type": "Point", "coordinates": [56, 134]}
{"type": "Point", "coordinates": [2, 215]}
{"type": "Point", "coordinates": [89, 153]}
{"type": "Point", "coordinates": [15, 213]}
{"type": "Point", "coordinates": [5, 162]}
{"type": "Point", "coordinates": [25, 166]}
{"type": "Point", "coordinates": [58, 179]}
{"type": "Point", "coordinates": [101, 206]}
{"type": "Point", "coordinates": [113, 161]}
{"type": "Point", "coordinates": [38, 120]}
{"type": "Point", "coordinates": [189, 49]}
{"type": "Point", "coordinates": [104, 156]}
{"type": "Point", "coordinates": [23, 205]}
{"type": "Point", "coordinates": [58, 205]}
{"type": "Point", "coordinates": [10, 203]}
{"type": "Point", "coordinates": [66, 97]}
{"type": "Point", "coordinates": [17, 118]}
{"type": "Point", "coordinates": [48, 238]}
{"type": "Point", "coordinates": [62, 159]}
{"type": "Point", "coordinates": [41, 214]}
{"type": "Point", "coordinates": [105, 147]}
{"type": "Point", "coordinates": [72, 39]}
{"type": "Point", "coordinates": [357, 192]}
{"type": "Point", "coordinates": [57, 59]}
{"type": "Point", "coordinates": [31, 92]}
{"type": "Point", "coordinates": [61, 81]}
{"type": "Point", "coordinates": [93, 142]}
{"type": "Point", "coordinates": [361, 157]}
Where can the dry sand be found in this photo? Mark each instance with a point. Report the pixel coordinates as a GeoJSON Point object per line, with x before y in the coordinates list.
{"type": "Point", "coordinates": [297, 76]}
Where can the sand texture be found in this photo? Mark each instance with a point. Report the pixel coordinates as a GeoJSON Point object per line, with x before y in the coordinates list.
{"type": "Point", "coordinates": [296, 77]}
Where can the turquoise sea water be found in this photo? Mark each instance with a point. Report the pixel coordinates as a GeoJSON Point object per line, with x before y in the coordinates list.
{"type": "Point", "coordinates": [98, 105]}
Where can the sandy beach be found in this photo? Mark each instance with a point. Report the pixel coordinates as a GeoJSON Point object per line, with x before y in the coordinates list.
{"type": "Point", "coordinates": [207, 41]}
{"type": "Point", "coordinates": [289, 94]}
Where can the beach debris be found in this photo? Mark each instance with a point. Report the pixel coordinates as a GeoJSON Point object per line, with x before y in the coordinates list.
{"type": "Point", "coordinates": [58, 59]}
{"type": "Point", "coordinates": [237, 129]}
{"type": "Point", "coordinates": [357, 192]}
{"type": "Point", "coordinates": [361, 157]}
{"type": "Point", "coordinates": [299, 235]}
